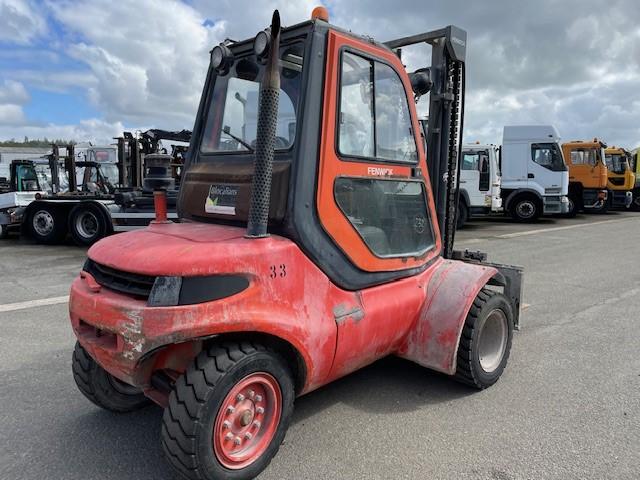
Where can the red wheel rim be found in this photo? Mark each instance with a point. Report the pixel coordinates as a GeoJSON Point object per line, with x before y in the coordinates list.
{"type": "Point", "coordinates": [247, 420]}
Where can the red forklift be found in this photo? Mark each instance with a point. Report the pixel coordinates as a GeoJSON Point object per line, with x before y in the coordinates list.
{"type": "Point", "coordinates": [314, 239]}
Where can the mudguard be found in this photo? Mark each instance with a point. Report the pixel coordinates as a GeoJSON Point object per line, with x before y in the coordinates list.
{"type": "Point", "coordinates": [449, 294]}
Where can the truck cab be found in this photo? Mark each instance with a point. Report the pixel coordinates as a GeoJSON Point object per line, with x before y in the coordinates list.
{"type": "Point", "coordinates": [480, 192]}
{"type": "Point", "coordinates": [620, 179]}
{"type": "Point", "coordinates": [535, 179]}
{"type": "Point", "coordinates": [17, 192]}
{"type": "Point", "coordinates": [588, 176]}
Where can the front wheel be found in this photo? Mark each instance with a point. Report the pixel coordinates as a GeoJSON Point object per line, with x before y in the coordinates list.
{"type": "Point", "coordinates": [102, 388]}
{"type": "Point", "coordinates": [228, 413]}
{"type": "Point", "coordinates": [525, 209]}
{"type": "Point", "coordinates": [485, 342]}
{"type": "Point", "coordinates": [463, 215]}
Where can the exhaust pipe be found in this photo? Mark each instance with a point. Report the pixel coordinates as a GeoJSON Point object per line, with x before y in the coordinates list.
{"type": "Point", "coordinates": [265, 141]}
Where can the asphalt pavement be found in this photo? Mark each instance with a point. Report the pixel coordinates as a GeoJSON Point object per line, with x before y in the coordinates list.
{"type": "Point", "coordinates": [567, 406]}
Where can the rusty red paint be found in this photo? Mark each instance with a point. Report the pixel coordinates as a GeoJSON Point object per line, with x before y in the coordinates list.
{"type": "Point", "coordinates": [334, 331]}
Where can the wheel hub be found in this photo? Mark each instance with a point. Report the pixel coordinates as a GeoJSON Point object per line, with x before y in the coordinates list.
{"type": "Point", "coordinates": [43, 223]}
{"type": "Point", "coordinates": [526, 209]}
{"type": "Point", "coordinates": [87, 224]}
{"type": "Point", "coordinates": [492, 341]}
{"type": "Point", "coordinates": [247, 420]}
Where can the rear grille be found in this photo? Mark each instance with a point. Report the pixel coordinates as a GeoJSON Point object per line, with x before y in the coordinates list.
{"type": "Point", "coordinates": [132, 284]}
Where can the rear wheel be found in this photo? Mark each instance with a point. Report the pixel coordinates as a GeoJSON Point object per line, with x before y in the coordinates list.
{"type": "Point", "coordinates": [47, 225]}
{"type": "Point", "coordinates": [102, 388]}
{"type": "Point", "coordinates": [228, 413]}
{"type": "Point", "coordinates": [485, 342]}
{"type": "Point", "coordinates": [4, 231]}
{"type": "Point", "coordinates": [87, 224]}
{"type": "Point", "coordinates": [525, 208]}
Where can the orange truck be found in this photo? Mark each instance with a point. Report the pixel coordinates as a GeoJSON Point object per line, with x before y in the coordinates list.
{"type": "Point", "coordinates": [621, 179]}
{"type": "Point", "coordinates": [588, 176]}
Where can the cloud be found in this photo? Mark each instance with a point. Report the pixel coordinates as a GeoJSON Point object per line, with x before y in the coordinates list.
{"type": "Point", "coordinates": [20, 22]}
{"type": "Point", "coordinates": [91, 130]}
{"type": "Point", "coordinates": [13, 95]}
{"type": "Point", "coordinates": [567, 62]}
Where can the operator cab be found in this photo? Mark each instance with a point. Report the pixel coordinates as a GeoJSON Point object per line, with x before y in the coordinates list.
{"type": "Point", "coordinates": [350, 181]}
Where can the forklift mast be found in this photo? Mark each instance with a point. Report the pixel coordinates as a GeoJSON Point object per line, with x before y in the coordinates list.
{"type": "Point", "coordinates": [446, 77]}
{"type": "Point", "coordinates": [69, 166]}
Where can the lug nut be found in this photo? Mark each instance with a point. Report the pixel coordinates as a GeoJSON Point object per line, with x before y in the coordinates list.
{"type": "Point", "coordinates": [237, 441]}
{"type": "Point", "coordinates": [258, 398]}
{"type": "Point", "coordinates": [260, 410]}
{"type": "Point", "coordinates": [240, 397]}
{"type": "Point", "coordinates": [226, 424]}
{"type": "Point", "coordinates": [228, 436]}
{"type": "Point", "coordinates": [257, 424]}
{"type": "Point", "coordinates": [248, 436]}
{"type": "Point", "coordinates": [252, 394]}
{"type": "Point", "coordinates": [231, 409]}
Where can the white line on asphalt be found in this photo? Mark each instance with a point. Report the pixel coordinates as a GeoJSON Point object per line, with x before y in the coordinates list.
{"type": "Point", "coordinates": [12, 307]}
{"type": "Point", "coordinates": [555, 229]}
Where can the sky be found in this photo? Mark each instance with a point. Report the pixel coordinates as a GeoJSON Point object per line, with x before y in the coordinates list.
{"type": "Point", "coordinates": [89, 69]}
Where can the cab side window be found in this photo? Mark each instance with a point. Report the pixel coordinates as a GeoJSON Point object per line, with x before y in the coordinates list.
{"type": "Point", "coordinates": [470, 161]}
{"type": "Point", "coordinates": [374, 120]}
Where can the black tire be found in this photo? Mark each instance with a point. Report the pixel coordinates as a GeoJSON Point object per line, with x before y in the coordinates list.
{"type": "Point", "coordinates": [47, 225]}
{"type": "Point", "coordinates": [574, 206]}
{"type": "Point", "coordinates": [188, 421]}
{"type": "Point", "coordinates": [471, 369]}
{"type": "Point", "coordinates": [87, 224]}
{"type": "Point", "coordinates": [103, 389]}
{"type": "Point", "coordinates": [4, 231]}
{"type": "Point", "coordinates": [525, 208]}
{"type": "Point", "coordinates": [462, 214]}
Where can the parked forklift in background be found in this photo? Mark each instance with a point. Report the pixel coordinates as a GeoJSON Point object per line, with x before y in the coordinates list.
{"type": "Point", "coordinates": [620, 178]}
{"type": "Point", "coordinates": [314, 239]}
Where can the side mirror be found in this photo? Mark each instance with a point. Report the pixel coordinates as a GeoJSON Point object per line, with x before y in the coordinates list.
{"type": "Point", "coordinates": [421, 82]}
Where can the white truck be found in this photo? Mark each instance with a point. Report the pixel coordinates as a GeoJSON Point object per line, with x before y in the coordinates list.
{"type": "Point", "coordinates": [480, 183]}
{"type": "Point", "coordinates": [535, 178]}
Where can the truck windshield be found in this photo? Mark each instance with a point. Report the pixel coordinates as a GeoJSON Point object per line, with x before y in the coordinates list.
{"type": "Point", "coordinates": [616, 163]}
{"type": "Point", "coordinates": [232, 120]}
{"type": "Point", "coordinates": [585, 156]}
{"type": "Point", "coordinates": [549, 156]}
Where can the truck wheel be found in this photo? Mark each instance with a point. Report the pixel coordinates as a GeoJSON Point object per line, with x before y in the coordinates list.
{"type": "Point", "coordinates": [485, 342]}
{"type": "Point", "coordinates": [228, 413]}
{"type": "Point", "coordinates": [4, 231]}
{"type": "Point", "coordinates": [47, 226]}
{"type": "Point", "coordinates": [102, 388]}
{"type": "Point", "coordinates": [525, 208]}
{"type": "Point", "coordinates": [87, 224]}
{"type": "Point", "coordinates": [574, 207]}
{"type": "Point", "coordinates": [462, 216]}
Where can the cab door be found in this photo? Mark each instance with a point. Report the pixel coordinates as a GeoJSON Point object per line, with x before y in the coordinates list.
{"type": "Point", "coordinates": [373, 198]}
{"type": "Point", "coordinates": [472, 179]}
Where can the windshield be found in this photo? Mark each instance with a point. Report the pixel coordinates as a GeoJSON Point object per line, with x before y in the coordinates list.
{"type": "Point", "coordinates": [232, 120]}
{"type": "Point", "coordinates": [109, 172]}
{"type": "Point", "coordinates": [616, 163]}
